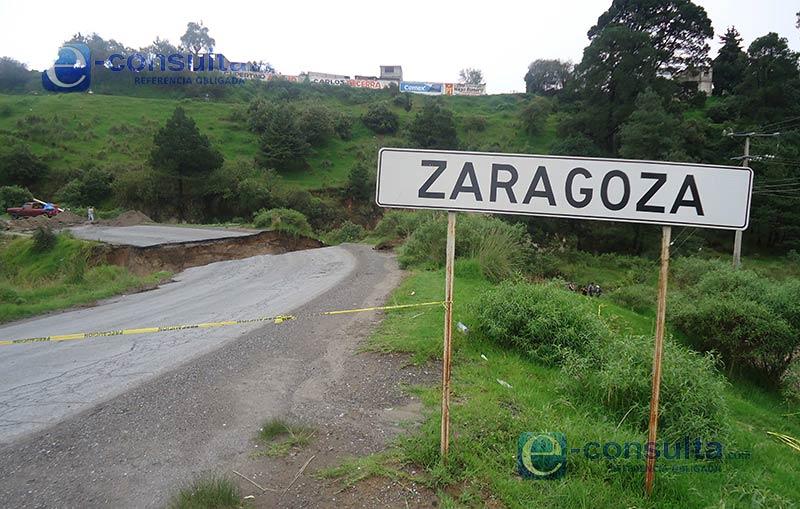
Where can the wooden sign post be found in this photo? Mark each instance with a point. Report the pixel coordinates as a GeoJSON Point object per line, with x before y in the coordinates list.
{"type": "Point", "coordinates": [650, 192]}
{"type": "Point", "coordinates": [447, 351]}
{"type": "Point", "coordinates": [658, 351]}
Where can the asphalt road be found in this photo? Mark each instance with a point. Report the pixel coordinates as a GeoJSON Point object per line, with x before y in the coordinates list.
{"type": "Point", "coordinates": [161, 431]}
{"type": "Point", "coordinates": [41, 383]}
{"type": "Point", "coordinates": [150, 235]}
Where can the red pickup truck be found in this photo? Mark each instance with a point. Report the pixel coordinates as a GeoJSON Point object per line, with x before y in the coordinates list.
{"type": "Point", "coordinates": [32, 209]}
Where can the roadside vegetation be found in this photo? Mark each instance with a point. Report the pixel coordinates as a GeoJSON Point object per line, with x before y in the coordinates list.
{"type": "Point", "coordinates": [281, 437]}
{"type": "Point", "coordinates": [539, 357]}
{"type": "Point", "coordinates": [210, 493]}
{"type": "Point", "coordinates": [48, 271]}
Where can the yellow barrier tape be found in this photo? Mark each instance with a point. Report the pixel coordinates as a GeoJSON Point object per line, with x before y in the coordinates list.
{"type": "Point", "coordinates": [207, 325]}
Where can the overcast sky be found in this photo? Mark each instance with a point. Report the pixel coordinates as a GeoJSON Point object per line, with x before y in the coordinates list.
{"type": "Point", "coordinates": [431, 40]}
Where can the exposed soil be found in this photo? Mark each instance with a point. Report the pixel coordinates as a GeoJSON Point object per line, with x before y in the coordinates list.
{"type": "Point", "coordinates": [179, 256]}
{"type": "Point", "coordinates": [128, 218]}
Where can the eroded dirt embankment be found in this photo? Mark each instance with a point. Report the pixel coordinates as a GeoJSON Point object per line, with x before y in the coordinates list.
{"type": "Point", "coordinates": [179, 256]}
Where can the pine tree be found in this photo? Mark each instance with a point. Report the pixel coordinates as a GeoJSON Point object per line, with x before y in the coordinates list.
{"type": "Point", "coordinates": [729, 66]}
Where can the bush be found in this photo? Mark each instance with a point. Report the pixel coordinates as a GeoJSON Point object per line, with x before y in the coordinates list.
{"type": "Point", "coordinates": [13, 196]}
{"type": "Point", "coordinates": [348, 232]}
{"type": "Point", "coordinates": [790, 384]}
{"type": "Point", "coordinates": [19, 166]}
{"type": "Point", "coordinates": [283, 220]}
{"type": "Point", "coordinates": [687, 271]}
{"type": "Point", "coordinates": [753, 324]}
{"type": "Point", "coordinates": [400, 224]}
{"type": "Point", "coordinates": [617, 372]}
{"type": "Point", "coordinates": [475, 123]}
{"type": "Point", "coordinates": [500, 247]}
{"type": "Point", "coordinates": [637, 297]}
{"type": "Point", "coordinates": [90, 187]}
{"type": "Point", "coordinates": [322, 213]}
{"type": "Point", "coordinates": [343, 127]}
{"type": "Point", "coordinates": [403, 101]}
{"type": "Point", "coordinates": [433, 127]}
{"type": "Point", "coordinates": [534, 115]}
{"type": "Point", "coordinates": [359, 184]}
{"type": "Point", "coordinates": [540, 321]}
{"type": "Point", "coordinates": [43, 239]}
{"type": "Point", "coordinates": [380, 119]}
{"type": "Point", "coordinates": [283, 143]}
{"type": "Point", "coordinates": [316, 122]}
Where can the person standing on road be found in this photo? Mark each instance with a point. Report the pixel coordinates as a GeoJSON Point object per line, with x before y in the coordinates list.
{"type": "Point", "coordinates": [90, 213]}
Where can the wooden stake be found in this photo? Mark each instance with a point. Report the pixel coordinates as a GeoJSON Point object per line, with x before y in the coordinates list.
{"type": "Point", "coordinates": [448, 334]}
{"type": "Point", "coordinates": [661, 311]}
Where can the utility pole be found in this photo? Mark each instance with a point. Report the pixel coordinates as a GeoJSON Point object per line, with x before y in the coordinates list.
{"type": "Point", "coordinates": [737, 239]}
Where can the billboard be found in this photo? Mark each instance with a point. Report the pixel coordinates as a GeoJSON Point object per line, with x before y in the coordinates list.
{"type": "Point", "coordinates": [418, 87]}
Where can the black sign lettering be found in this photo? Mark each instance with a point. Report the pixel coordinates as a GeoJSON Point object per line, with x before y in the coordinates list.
{"type": "Point", "coordinates": [585, 191]}
{"type": "Point", "coordinates": [626, 190]}
{"type": "Point", "coordinates": [467, 171]}
{"type": "Point", "coordinates": [681, 201]}
{"type": "Point", "coordinates": [440, 167]}
{"type": "Point", "coordinates": [660, 179]}
{"type": "Point", "coordinates": [547, 192]}
{"type": "Point", "coordinates": [507, 185]}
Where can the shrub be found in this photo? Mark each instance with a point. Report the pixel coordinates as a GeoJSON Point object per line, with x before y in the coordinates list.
{"type": "Point", "coordinates": [637, 297]}
{"type": "Point", "coordinates": [283, 143]}
{"type": "Point", "coordinates": [403, 101]}
{"type": "Point", "coordinates": [348, 232]}
{"type": "Point", "coordinates": [687, 271]}
{"type": "Point", "coordinates": [13, 196]}
{"type": "Point", "coordinates": [500, 247]}
{"type": "Point", "coordinates": [475, 123]}
{"type": "Point", "coordinates": [433, 127]}
{"type": "Point", "coordinates": [283, 220]}
{"type": "Point", "coordinates": [90, 187]}
{"type": "Point", "coordinates": [400, 224]}
{"type": "Point", "coordinates": [534, 115]}
{"type": "Point", "coordinates": [790, 383]}
{"type": "Point", "coordinates": [316, 122]}
{"type": "Point", "coordinates": [43, 239]}
{"type": "Point", "coordinates": [359, 185]}
{"type": "Point", "coordinates": [752, 323]}
{"type": "Point", "coordinates": [19, 166]}
{"type": "Point", "coordinates": [617, 372]}
{"type": "Point", "coordinates": [321, 212]}
{"type": "Point", "coordinates": [380, 119]}
{"type": "Point", "coordinates": [541, 321]}
{"type": "Point", "coordinates": [343, 127]}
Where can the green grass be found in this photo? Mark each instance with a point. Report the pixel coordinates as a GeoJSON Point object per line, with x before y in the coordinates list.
{"type": "Point", "coordinates": [487, 418]}
{"type": "Point", "coordinates": [280, 437]}
{"type": "Point", "coordinates": [32, 282]}
{"type": "Point", "coordinates": [74, 131]}
{"type": "Point", "coordinates": [213, 493]}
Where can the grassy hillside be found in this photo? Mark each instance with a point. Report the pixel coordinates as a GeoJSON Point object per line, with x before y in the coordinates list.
{"type": "Point", "coordinates": [78, 131]}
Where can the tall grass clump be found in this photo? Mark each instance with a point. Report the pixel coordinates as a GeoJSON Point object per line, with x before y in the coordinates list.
{"type": "Point", "coordinates": [541, 321]}
{"type": "Point", "coordinates": [500, 247]}
{"type": "Point", "coordinates": [213, 493]}
{"type": "Point", "coordinates": [616, 372]}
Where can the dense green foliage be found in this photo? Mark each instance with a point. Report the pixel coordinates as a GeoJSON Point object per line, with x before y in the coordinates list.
{"type": "Point", "coordinates": [380, 119]}
{"type": "Point", "coordinates": [283, 220]}
{"type": "Point", "coordinates": [500, 248]}
{"type": "Point", "coordinates": [616, 372]}
{"type": "Point", "coordinates": [433, 127]}
{"type": "Point", "coordinates": [13, 196]}
{"type": "Point", "coordinates": [542, 321]}
{"type": "Point", "coordinates": [750, 321]}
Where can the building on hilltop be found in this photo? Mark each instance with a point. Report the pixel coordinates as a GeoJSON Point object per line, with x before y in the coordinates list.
{"type": "Point", "coordinates": [701, 76]}
{"type": "Point", "coordinates": [392, 72]}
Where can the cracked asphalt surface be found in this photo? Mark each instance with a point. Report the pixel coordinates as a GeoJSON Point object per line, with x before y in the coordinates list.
{"type": "Point", "coordinates": [144, 235]}
{"type": "Point", "coordinates": [191, 403]}
{"type": "Point", "coordinates": [41, 383]}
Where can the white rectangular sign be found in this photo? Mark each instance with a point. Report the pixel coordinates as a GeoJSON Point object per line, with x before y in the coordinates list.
{"type": "Point", "coordinates": [680, 194]}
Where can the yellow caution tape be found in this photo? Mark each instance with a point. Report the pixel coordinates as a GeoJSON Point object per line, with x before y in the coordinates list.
{"type": "Point", "coordinates": [207, 325]}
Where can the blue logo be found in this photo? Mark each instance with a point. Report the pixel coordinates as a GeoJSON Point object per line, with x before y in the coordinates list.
{"type": "Point", "coordinates": [542, 455]}
{"type": "Point", "coordinates": [71, 72]}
